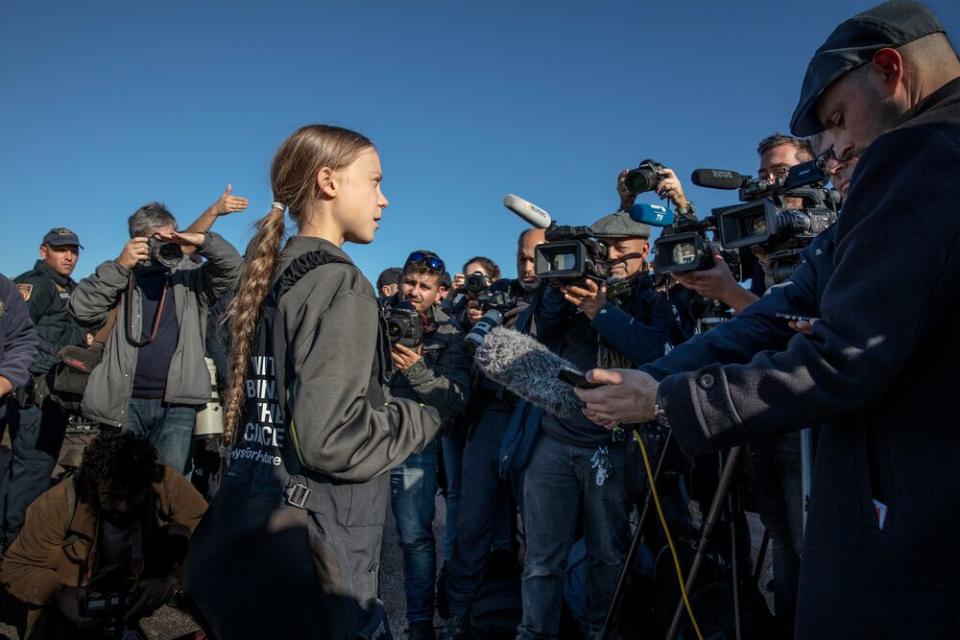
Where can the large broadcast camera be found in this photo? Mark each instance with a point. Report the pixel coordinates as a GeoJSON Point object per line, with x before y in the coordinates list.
{"type": "Point", "coordinates": [765, 222]}
{"type": "Point", "coordinates": [571, 254]}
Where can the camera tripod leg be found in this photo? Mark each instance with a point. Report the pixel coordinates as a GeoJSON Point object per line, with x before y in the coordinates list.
{"type": "Point", "coordinates": [727, 479]}
{"type": "Point", "coordinates": [635, 543]}
{"type": "Point", "coordinates": [761, 556]}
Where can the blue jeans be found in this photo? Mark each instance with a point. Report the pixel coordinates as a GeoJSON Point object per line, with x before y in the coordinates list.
{"type": "Point", "coordinates": [483, 521]}
{"type": "Point", "coordinates": [558, 479]}
{"type": "Point", "coordinates": [169, 427]}
{"type": "Point", "coordinates": [37, 437]}
{"type": "Point", "coordinates": [776, 469]}
{"type": "Point", "coordinates": [413, 492]}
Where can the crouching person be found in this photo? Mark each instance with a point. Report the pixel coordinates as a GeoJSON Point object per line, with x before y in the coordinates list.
{"type": "Point", "coordinates": [101, 550]}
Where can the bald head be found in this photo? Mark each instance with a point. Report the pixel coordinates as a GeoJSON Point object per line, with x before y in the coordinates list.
{"type": "Point", "coordinates": [527, 243]}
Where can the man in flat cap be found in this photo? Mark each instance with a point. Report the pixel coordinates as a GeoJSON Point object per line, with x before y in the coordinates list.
{"type": "Point", "coordinates": [577, 464]}
{"type": "Point", "coordinates": [881, 548]}
{"type": "Point", "coordinates": [37, 423]}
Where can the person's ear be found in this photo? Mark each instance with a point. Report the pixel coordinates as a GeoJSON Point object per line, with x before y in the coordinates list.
{"type": "Point", "coordinates": [43, 252]}
{"type": "Point", "coordinates": [328, 184]}
{"type": "Point", "coordinates": [887, 65]}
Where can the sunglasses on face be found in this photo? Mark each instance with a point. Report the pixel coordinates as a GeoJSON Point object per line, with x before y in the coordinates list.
{"type": "Point", "coordinates": [431, 260]}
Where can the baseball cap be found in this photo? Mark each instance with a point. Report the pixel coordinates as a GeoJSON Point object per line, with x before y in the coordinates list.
{"type": "Point", "coordinates": [61, 237]}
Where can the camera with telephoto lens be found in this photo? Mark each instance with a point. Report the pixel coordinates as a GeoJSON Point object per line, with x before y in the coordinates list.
{"type": "Point", "coordinates": [404, 325]}
{"type": "Point", "coordinates": [494, 302]}
{"type": "Point", "coordinates": [765, 222]}
{"type": "Point", "coordinates": [644, 178]}
{"type": "Point", "coordinates": [571, 255]}
{"type": "Point", "coordinates": [163, 254]}
{"type": "Point", "coordinates": [209, 423]}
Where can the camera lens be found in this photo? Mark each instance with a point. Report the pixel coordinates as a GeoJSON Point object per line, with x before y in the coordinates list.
{"type": "Point", "coordinates": [684, 253]}
{"type": "Point", "coordinates": [564, 261]}
{"type": "Point", "coordinates": [643, 178]}
{"type": "Point", "coordinates": [168, 254]}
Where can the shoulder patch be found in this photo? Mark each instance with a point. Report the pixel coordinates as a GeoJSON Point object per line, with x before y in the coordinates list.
{"type": "Point", "coordinates": [25, 291]}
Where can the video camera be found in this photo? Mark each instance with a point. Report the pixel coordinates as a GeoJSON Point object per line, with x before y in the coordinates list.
{"type": "Point", "coordinates": [494, 302]}
{"type": "Point", "coordinates": [765, 222]}
{"type": "Point", "coordinates": [404, 325]}
{"type": "Point", "coordinates": [571, 255]}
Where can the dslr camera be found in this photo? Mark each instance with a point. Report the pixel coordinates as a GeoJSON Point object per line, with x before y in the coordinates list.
{"type": "Point", "coordinates": [494, 302]}
{"type": "Point", "coordinates": [571, 255]}
{"type": "Point", "coordinates": [644, 178]}
{"type": "Point", "coordinates": [404, 325]}
{"type": "Point", "coordinates": [163, 254]}
{"type": "Point", "coordinates": [474, 283]}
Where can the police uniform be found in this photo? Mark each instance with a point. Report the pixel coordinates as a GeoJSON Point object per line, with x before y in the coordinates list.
{"type": "Point", "coordinates": [37, 422]}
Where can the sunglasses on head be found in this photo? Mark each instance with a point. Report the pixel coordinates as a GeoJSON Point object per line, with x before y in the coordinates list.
{"type": "Point", "coordinates": [431, 260]}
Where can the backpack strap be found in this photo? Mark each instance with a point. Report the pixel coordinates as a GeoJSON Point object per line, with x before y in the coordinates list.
{"type": "Point", "coordinates": [300, 267]}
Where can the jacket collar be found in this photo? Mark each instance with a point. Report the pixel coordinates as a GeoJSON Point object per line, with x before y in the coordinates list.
{"type": "Point", "coordinates": [945, 96]}
{"type": "Point", "coordinates": [42, 267]}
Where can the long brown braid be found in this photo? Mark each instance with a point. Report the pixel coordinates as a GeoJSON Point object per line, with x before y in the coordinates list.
{"type": "Point", "coordinates": [293, 176]}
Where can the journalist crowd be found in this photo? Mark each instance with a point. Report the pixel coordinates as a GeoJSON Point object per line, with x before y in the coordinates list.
{"type": "Point", "coordinates": [599, 429]}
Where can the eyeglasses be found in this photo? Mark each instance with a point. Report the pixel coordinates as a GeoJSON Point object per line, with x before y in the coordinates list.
{"type": "Point", "coordinates": [431, 260]}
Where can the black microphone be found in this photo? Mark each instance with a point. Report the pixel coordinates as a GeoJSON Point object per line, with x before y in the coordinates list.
{"type": "Point", "coordinates": [528, 369]}
{"type": "Point", "coordinates": [718, 179]}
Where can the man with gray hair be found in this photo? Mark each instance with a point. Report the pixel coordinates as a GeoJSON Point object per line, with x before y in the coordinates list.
{"type": "Point", "coordinates": [153, 378]}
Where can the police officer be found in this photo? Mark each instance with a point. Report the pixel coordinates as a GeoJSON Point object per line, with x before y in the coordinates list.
{"type": "Point", "coordinates": [18, 342]}
{"type": "Point", "coordinates": [37, 422]}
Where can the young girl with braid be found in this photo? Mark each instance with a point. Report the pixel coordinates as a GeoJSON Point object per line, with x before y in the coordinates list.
{"type": "Point", "coordinates": [290, 546]}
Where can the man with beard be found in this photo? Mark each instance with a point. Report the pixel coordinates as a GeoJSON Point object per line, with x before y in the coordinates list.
{"type": "Point", "coordinates": [120, 526]}
{"type": "Point", "coordinates": [880, 550]}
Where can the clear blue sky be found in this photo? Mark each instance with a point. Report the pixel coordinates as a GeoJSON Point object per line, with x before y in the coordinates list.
{"type": "Point", "coordinates": [104, 107]}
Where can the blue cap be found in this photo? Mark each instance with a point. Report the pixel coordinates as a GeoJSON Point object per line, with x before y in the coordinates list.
{"type": "Point", "coordinates": [852, 45]}
{"type": "Point", "coordinates": [61, 237]}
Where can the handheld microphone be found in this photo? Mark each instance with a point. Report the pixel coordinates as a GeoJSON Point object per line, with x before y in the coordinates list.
{"type": "Point", "coordinates": [530, 212]}
{"type": "Point", "coordinates": [527, 369]}
{"type": "Point", "coordinates": [655, 215]}
{"type": "Point", "coordinates": [718, 179]}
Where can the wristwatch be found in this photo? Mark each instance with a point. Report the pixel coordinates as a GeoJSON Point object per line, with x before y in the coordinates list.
{"type": "Point", "coordinates": [660, 410]}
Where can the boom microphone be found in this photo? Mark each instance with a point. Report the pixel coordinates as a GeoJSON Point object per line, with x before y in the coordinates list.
{"type": "Point", "coordinates": [528, 369]}
{"type": "Point", "coordinates": [718, 179]}
{"type": "Point", "coordinates": [656, 215]}
{"type": "Point", "coordinates": [530, 212]}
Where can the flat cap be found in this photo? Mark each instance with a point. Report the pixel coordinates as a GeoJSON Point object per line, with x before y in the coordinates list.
{"type": "Point", "coordinates": [852, 45]}
{"type": "Point", "coordinates": [619, 225]}
{"type": "Point", "coordinates": [61, 237]}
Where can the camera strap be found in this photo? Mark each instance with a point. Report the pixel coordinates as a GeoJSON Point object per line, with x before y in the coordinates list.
{"type": "Point", "coordinates": [137, 341]}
